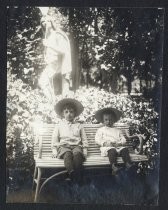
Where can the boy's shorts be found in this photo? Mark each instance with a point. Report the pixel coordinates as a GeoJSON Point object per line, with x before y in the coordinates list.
{"type": "Point", "coordinates": [74, 149]}
{"type": "Point", "coordinates": [104, 150]}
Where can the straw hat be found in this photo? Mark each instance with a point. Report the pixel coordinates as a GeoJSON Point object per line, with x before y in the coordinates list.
{"type": "Point", "coordinates": [69, 101]}
{"type": "Point", "coordinates": [99, 114]}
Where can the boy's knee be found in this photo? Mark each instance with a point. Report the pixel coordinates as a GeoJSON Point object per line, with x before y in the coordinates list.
{"type": "Point", "coordinates": [124, 152]}
{"type": "Point", "coordinates": [68, 155]}
{"type": "Point", "coordinates": [112, 151]}
{"type": "Point", "coordinates": [77, 156]}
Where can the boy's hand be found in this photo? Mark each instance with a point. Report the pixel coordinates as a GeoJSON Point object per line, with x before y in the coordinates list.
{"type": "Point", "coordinates": [54, 153]}
{"type": "Point", "coordinates": [85, 152]}
{"type": "Point", "coordinates": [120, 144]}
{"type": "Point", "coordinates": [113, 144]}
{"type": "Point", "coordinates": [108, 144]}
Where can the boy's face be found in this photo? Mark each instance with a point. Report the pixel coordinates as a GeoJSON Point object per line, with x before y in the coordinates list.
{"type": "Point", "coordinates": [68, 113]}
{"type": "Point", "coordinates": [108, 120]}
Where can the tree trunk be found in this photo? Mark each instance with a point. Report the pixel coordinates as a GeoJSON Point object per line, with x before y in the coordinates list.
{"type": "Point", "coordinates": [129, 85]}
{"type": "Point", "coordinates": [114, 82]}
{"type": "Point", "coordinates": [140, 85]}
{"type": "Point", "coordinates": [129, 82]}
{"type": "Point", "coordinates": [74, 54]}
{"type": "Point", "coordinates": [75, 64]}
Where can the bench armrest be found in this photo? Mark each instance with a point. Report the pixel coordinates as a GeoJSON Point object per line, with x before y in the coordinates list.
{"type": "Point", "coordinates": [138, 142]}
{"type": "Point", "coordinates": [38, 142]}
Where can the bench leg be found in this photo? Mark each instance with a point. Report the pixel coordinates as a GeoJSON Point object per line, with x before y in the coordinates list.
{"type": "Point", "coordinates": [34, 177]}
{"type": "Point", "coordinates": [51, 177]}
{"type": "Point", "coordinates": [38, 184]}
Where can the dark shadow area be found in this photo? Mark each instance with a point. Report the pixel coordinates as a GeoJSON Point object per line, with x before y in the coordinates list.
{"type": "Point", "coordinates": [98, 187]}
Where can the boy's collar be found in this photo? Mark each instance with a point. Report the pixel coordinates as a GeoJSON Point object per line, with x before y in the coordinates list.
{"type": "Point", "coordinates": [108, 126]}
{"type": "Point", "coordinates": [67, 122]}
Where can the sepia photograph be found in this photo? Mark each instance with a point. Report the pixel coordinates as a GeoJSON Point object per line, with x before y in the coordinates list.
{"type": "Point", "coordinates": [83, 105]}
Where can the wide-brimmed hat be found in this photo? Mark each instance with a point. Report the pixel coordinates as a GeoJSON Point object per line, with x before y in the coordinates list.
{"type": "Point", "coordinates": [100, 112]}
{"type": "Point", "coordinates": [69, 101]}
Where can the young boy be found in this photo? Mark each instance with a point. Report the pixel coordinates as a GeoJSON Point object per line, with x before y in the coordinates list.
{"type": "Point", "coordinates": [69, 141]}
{"type": "Point", "coordinates": [110, 139]}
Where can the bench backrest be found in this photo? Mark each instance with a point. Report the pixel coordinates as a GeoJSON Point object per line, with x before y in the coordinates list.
{"type": "Point", "coordinates": [90, 129]}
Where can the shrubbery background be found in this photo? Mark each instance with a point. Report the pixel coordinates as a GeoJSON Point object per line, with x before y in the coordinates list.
{"type": "Point", "coordinates": [33, 106]}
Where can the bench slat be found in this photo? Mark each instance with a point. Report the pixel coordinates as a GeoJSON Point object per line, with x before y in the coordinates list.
{"type": "Point", "coordinates": [95, 161]}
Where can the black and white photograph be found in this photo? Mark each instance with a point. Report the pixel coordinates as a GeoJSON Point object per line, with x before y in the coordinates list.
{"type": "Point", "coordinates": [84, 105]}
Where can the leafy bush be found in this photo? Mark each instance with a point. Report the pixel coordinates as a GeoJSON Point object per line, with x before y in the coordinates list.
{"type": "Point", "coordinates": [23, 105]}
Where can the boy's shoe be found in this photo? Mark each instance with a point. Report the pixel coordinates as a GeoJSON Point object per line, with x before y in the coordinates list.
{"type": "Point", "coordinates": [70, 176]}
{"type": "Point", "coordinates": [68, 180]}
{"type": "Point", "coordinates": [128, 166]}
{"type": "Point", "coordinates": [115, 170]}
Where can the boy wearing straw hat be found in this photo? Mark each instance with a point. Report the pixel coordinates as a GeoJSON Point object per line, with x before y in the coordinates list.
{"type": "Point", "coordinates": [110, 139]}
{"type": "Point", "coordinates": [69, 141]}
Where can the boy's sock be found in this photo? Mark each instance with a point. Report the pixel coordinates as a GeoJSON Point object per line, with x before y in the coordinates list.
{"type": "Point", "coordinates": [71, 176]}
{"type": "Point", "coordinates": [112, 155]}
{"type": "Point", "coordinates": [68, 162]}
{"type": "Point", "coordinates": [78, 166]}
{"type": "Point", "coordinates": [126, 158]}
{"type": "Point", "coordinates": [78, 160]}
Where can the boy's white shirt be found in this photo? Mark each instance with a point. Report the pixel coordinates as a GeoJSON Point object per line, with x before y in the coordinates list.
{"type": "Point", "coordinates": [69, 133]}
{"type": "Point", "coordinates": [106, 134]}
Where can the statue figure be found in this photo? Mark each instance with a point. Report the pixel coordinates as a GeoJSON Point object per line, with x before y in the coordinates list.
{"type": "Point", "coordinates": [56, 77]}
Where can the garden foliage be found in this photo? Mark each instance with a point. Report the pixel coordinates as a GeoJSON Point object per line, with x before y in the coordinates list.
{"type": "Point", "coordinates": [28, 109]}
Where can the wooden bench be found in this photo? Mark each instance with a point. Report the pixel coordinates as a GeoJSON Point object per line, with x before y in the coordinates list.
{"type": "Point", "coordinates": [43, 155]}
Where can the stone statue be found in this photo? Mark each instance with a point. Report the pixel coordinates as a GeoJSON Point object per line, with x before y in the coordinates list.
{"type": "Point", "coordinates": [56, 77]}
